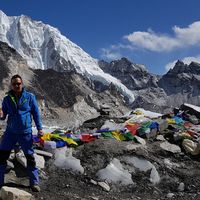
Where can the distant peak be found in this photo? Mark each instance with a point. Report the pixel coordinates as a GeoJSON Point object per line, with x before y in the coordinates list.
{"type": "Point", "coordinates": [2, 13]}
{"type": "Point", "coordinates": [179, 63]}
{"type": "Point", "coordinates": [194, 64]}
{"type": "Point", "coordinates": [181, 67]}
{"type": "Point", "coordinates": [125, 59]}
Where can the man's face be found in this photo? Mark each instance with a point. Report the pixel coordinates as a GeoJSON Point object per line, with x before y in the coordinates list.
{"type": "Point", "coordinates": [17, 85]}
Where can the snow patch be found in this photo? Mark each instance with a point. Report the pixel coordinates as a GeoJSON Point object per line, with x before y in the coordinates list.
{"type": "Point", "coordinates": [111, 125]}
{"type": "Point", "coordinates": [144, 165]}
{"type": "Point", "coordinates": [146, 113]}
{"type": "Point", "coordinates": [114, 172]}
{"type": "Point", "coordinates": [197, 108]}
{"type": "Point", "coordinates": [65, 160]}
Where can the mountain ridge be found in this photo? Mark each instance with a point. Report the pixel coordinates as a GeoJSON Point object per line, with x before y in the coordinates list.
{"type": "Point", "coordinates": [44, 47]}
{"type": "Point", "coordinates": [65, 98]}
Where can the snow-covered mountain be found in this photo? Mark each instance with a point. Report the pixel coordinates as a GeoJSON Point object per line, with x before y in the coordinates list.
{"type": "Point", "coordinates": [44, 47]}
{"type": "Point", "coordinates": [65, 98]}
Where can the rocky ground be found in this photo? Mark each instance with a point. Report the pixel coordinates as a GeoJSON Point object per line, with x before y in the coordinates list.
{"type": "Point", "coordinates": [180, 178]}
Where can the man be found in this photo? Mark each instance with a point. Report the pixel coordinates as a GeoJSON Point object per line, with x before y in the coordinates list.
{"type": "Point", "coordinates": [19, 106]}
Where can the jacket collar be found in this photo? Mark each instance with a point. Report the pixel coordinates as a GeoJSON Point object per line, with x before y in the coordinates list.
{"type": "Point", "coordinates": [13, 97]}
{"type": "Point", "coordinates": [11, 92]}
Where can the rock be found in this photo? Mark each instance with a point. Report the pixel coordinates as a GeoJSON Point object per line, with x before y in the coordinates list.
{"type": "Point", "coordinates": [20, 157]}
{"type": "Point", "coordinates": [140, 140]}
{"type": "Point", "coordinates": [170, 147]}
{"type": "Point", "coordinates": [42, 174]}
{"type": "Point", "coordinates": [170, 164]}
{"type": "Point", "coordinates": [104, 185]}
{"type": "Point", "coordinates": [12, 155]}
{"type": "Point", "coordinates": [95, 198]}
{"type": "Point", "coordinates": [10, 177]}
{"type": "Point", "coordinates": [10, 193]}
{"type": "Point", "coordinates": [134, 147]}
{"type": "Point", "coordinates": [93, 182]}
{"type": "Point", "coordinates": [138, 149]}
{"type": "Point", "coordinates": [14, 178]}
{"type": "Point", "coordinates": [43, 153]}
{"type": "Point", "coordinates": [191, 146]}
{"type": "Point", "coordinates": [170, 195]}
{"type": "Point", "coordinates": [160, 138]}
{"type": "Point", "coordinates": [181, 187]}
{"type": "Point", "coordinates": [40, 162]}
{"type": "Point", "coordinates": [104, 109]}
{"type": "Point", "coordinates": [10, 165]}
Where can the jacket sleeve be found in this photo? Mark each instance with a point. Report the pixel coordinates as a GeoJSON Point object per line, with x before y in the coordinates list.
{"type": "Point", "coordinates": [4, 109]}
{"type": "Point", "coordinates": [35, 112]}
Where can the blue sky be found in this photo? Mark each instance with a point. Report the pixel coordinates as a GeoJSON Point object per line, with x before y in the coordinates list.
{"type": "Point", "coordinates": [155, 33]}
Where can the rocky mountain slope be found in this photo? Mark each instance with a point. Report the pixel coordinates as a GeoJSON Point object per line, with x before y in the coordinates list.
{"type": "Point", "coordinates": [158, 93]}
{"type": "Point", "coordinates": [182, 83]}
{"type": "Point", "coordinates": [65, 98]}
{"type": "Point", "coordinates": [134, 76]}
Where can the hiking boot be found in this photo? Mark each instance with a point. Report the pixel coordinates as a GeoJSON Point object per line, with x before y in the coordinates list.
{"type": "Point", "coordinates": [35, 188]}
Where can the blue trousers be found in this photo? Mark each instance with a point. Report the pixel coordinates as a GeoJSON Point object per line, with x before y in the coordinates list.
{"type": "Point", "coordinates": [25, 141]}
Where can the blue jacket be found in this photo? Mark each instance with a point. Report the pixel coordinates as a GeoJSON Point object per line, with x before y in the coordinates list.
{"type": "Point", "coordinates": [19, 112]}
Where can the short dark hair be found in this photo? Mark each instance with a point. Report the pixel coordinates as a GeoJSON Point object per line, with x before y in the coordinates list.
{"type": "Point", "coordinates": [16, 76]}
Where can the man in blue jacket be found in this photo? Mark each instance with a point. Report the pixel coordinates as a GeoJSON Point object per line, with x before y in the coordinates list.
{"type": "Point", "coordinates": [19, 106]}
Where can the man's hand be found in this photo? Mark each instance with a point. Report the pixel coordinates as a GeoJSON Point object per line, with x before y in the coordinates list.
{"type": "Point", "coordinates": [1, 113]}
{"type": "Point", "coordinates": [40, 133]}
